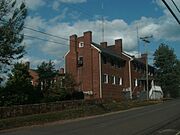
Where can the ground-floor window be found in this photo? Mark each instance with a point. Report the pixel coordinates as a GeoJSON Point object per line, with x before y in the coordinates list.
{"type": "Point", "coordinates": [105, 78]}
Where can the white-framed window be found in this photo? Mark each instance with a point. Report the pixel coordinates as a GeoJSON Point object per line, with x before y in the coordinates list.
{"type": "Point", "coordinates": [105, 78]}
{"type": "Point", "coordinates": [120, 81]}
{"type": "Point", "coordinates": [136, 82]}
{"type": "Point", "coordinates": [113, 80]}
{"type": "Point", "coordinates": [81, 44]}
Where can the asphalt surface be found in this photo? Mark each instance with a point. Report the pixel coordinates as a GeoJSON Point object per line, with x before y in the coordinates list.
{"type": "Point", "coordinates": [150, 120]}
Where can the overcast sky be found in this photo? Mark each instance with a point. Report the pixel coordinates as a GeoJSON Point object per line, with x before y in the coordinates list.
{"type": "Point", "coordinates": [122, 18]}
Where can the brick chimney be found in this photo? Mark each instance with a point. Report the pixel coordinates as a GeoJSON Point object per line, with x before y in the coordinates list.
{"type": "Point", "coordinates": [61, 71]}
{"type": "Point", "coordinates": [118, 45]}
{"type": "Point", "coordinates": [73, 43]}
{"type": "Point", "coordinates": [27, 65]}
{"type": "Point", "coordinates": [143, 57]}
{"type": "Point", "coordinates": [87, 38]}
{"type": "Point", "coordinates": [103, 44]}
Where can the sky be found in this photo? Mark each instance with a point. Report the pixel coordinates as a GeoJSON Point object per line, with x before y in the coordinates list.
{"type": "Point", "coordinates": [126, 19]}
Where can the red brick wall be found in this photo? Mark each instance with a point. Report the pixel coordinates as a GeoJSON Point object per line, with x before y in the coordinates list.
{"type": "Point", "coordinates": [110, 90]}
{"type": "Point", "coordinates": [35, 77]}
{"type": "Point", "coordinates": [87, 75]}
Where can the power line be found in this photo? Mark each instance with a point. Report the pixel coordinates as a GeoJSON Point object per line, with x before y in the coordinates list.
{"type": "Point", "coordinates": [171, 11]}
{"type": "Point", "coordinates": [44, 39]}
{"type": "Point", "coordinates": [32, 29]}
{"type": "Point", "coordinates": [45, 33]}
{"type": "Point", "coordinates": [175, 6]}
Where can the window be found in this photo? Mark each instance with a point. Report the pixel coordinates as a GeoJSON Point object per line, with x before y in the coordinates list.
{"type": "Point", "coordinates": [120, 81]}
{"type": "Point", "coordinates": [105, 78]}
{"type": "Point", "coordinates": [81, 44]}
{"type": "Point", "coordinates": [119, 65]}
{"type": "Point", "coordinates": [112, 63]}
{"type": "Point", "coordinates": [80, 61]}
{"type": "Point", "coordinates": [113, 80]}
{"type": "Point", "coordinates": [135, 82]}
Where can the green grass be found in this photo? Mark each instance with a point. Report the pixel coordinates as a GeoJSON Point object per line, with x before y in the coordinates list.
{"type": "Point", "coordinates": [70, 114]}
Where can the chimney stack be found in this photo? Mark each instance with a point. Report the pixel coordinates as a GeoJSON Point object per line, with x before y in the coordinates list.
{"type": "Point", "coordinates": [103, 44]}
{"type": "Point", "coordinates": [87, 38]}
{"type": "Point", "coordinates": [118, 45]}
{"type": "Point", "coordinates": [73, 42]}
{"type": "Point", "coordinates": [61, 71]}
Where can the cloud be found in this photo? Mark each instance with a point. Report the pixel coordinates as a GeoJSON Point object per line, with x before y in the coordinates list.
{"type": "Point", "coordinates": [33, 4]}
{"type": "Point", "coordinates": [72, 1]}
{"type": "Point", "coordinates": [56, 5]}
{"type": "Point", "coordinates": [59, 17]}
{"type": "Point", "coordinates": [164, 28]}
{"type": "Point", "coordinates": [35, 61]}
{"type": "Point", "coordinates": [161, 28]}
{"type": "Point", "coordinates": [171, 5]}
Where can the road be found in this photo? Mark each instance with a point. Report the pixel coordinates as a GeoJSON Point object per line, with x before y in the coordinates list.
{"type": "Point", "coordinates": [139, 121]}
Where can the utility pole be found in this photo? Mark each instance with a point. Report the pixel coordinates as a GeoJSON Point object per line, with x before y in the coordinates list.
{"type": "Point", "coordinates": [146, 41]}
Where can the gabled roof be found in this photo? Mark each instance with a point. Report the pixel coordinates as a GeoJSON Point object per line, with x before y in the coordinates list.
{"type": "Point", "coordinates": [108, 52]}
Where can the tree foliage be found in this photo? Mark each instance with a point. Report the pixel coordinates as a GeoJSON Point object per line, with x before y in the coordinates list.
{"type": "Point", "coordinates": [47, 74]}
{"type": "Point", "coordinates": [19, 89]}
{"type": "Point", "coordinates": [11, 25]}
{"type": "Point", "coordinates": [65, 89]}
{"type": "Point", "coordinates": [167, 71]}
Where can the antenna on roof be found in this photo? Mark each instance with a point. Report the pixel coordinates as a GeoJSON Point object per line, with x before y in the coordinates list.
{"type": "Point", "coordinates": [138, 46]}
{"type": "Point", "coordinates": [102, 22]}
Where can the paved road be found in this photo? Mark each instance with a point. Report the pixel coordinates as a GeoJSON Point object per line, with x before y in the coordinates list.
{"type": "Point", "coordinates": [141, 121]}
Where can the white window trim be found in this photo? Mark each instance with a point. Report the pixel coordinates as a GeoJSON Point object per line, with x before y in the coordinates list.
{"type": "Point", "coordinates": [136, 82]}
{"type": "Point", "coordinates": [114, 80]}
{"type": "Point", "coordinates": [106, 81]}
{"type": "Point", "coordinates": [120, 80]}
{"type": "Point", "coordinates": [81, 44]}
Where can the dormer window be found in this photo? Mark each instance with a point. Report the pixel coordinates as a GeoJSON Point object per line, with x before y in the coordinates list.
{"type": "Point", "coordinates": [81, 44]}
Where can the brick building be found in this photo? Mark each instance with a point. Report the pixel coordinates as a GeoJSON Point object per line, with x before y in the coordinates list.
{"type": "Point", "coordinates": [105, 71]}
{"type": "Point", "coordinates": [35, 75]}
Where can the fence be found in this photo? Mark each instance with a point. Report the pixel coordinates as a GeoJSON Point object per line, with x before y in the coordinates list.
{"type": "Point", "coordinates": [22, 110]}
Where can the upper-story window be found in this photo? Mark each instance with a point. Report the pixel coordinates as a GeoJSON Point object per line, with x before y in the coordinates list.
{"type": "Point", "coordinates": [80, 61]}
{"type": "Point", "coordinates": [81, 44]}
{"type": "Point", "coordinates": [112, 63]}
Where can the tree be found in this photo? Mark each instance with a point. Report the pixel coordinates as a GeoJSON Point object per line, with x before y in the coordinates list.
{"type": "Point", "coordinates": [19, 89]}
{"type": "Point", "coordinates": [166, 62]}
{"type": "Point", "coordinates": [11, 26]}
{"type": "Point", "coordinates": [47, 74]}
{"type": "Point", "coordinates": [65, 88]}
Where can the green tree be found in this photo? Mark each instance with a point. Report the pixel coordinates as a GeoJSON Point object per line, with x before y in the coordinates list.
{"type": "Point", "coordinates": [19, 89]}
{"type": "Point", "coordinates": [165, 61]}
{"type": "Point", "coordinates": [65, 88]}
{"type": "Point", "coordinates": [11, 26]}
{"type": "Point", "coordinates": [47, 74]}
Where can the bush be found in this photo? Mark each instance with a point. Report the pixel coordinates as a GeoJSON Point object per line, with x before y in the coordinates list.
{"type": "Point", "coordinates": [77, 95]}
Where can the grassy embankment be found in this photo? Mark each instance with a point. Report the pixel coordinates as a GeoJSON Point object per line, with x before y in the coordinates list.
{"type": "Point", "coordinates": [71, 114]}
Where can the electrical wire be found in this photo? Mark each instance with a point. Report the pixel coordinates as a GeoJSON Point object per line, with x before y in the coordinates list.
{"type": "Point", "coordinates": [29, 36]}
{"type": "Point", "coordinates": [45, 33]}
{"type": "Point", "coordinates": [175, 6]}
